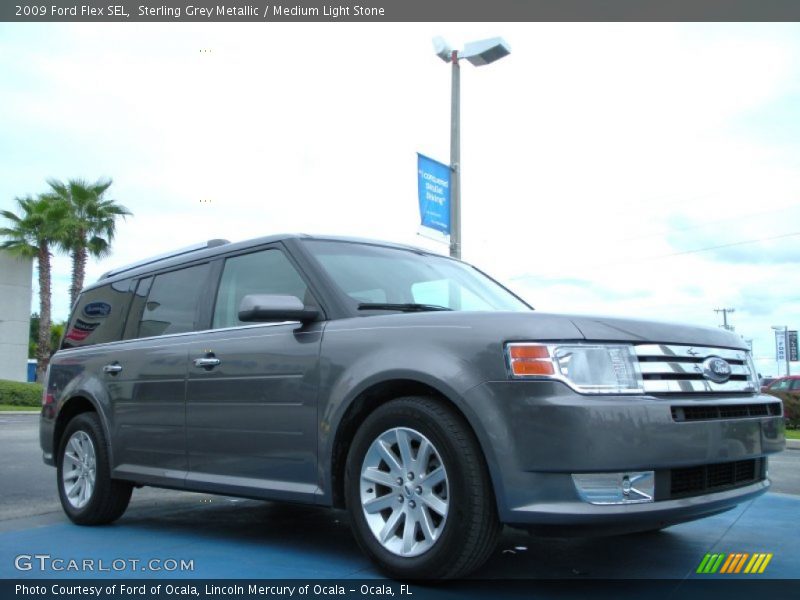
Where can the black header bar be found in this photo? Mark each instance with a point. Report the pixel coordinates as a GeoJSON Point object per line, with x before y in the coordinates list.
{"type": "Point", "coordinates": [271, 11]}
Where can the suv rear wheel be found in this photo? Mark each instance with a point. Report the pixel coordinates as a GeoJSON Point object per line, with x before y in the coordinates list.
{"type": "Point", "coordinates": [88, 494]}
{"type": "Point", "coordinates": [418, 491]}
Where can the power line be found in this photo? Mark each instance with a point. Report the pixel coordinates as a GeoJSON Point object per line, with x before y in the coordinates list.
{"type": "Point", "coordinates": [732, 244]}
{"type": "Point", "coordinates": [671, 254]}
{"type": "Point", "coordinates": [708, 223]}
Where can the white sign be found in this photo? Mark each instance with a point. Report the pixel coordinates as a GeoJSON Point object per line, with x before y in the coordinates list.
{"type": "Point", "coordinates": [780, 346]}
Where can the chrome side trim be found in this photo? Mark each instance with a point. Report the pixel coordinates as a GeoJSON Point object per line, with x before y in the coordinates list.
{"type": "Point", "coordinates": [174, 335]}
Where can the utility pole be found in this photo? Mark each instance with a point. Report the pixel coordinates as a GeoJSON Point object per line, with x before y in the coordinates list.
{"type": "Point", "coordinates": [455, 158]}
{"type": "Point", "coordinates": [478, 53]}
{"type": "Point", "coordinates": [725, 312]}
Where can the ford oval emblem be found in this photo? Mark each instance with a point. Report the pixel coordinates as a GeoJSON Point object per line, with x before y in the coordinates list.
{"type": "Point", "coordinates": [97, 309]}
{"type": "Point", "coordinates": [716, 369]}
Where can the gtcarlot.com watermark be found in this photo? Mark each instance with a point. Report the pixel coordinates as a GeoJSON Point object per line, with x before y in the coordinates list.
{"type": "Point", "coordinates": [46, 563]}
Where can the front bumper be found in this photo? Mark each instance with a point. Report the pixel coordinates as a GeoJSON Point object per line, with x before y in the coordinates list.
{"type": "Point", "coordinates": [536, 434]}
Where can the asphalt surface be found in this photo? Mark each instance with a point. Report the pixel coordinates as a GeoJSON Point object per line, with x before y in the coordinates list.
{"type": "Point", "coordinates": [232, 538]}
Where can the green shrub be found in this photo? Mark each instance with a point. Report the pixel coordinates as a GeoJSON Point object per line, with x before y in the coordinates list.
{"type": "Point", "coordinates": [791, 410]}
{"type": "Point", "coordinates": [20, 394]}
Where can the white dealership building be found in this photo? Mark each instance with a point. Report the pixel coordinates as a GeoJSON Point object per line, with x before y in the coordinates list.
{"type": "Point", "coordinates": [15, 313]}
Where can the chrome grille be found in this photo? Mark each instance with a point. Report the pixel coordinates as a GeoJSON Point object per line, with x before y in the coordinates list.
{"type": "Point", "coordinates": [679, 369]}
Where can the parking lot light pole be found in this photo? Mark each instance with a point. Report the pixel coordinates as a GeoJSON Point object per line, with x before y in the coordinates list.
{"type": "Point", "coordinates": [478, 53]}
{"type": "Point", "coordinates": [785, 329]}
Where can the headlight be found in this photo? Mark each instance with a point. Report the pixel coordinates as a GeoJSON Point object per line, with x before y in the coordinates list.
{"type": "Point", "coordinates": [587, 368]}
{"type": "Point", "coordinates": [755, 380]}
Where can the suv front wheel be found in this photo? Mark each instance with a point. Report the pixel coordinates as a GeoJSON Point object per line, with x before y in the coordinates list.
{"type": "Point", "coordinates": [87, 492]}
{"type": "Point", "coordinates": [418, 491]}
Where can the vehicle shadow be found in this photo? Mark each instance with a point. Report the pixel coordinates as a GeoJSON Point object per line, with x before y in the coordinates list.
{"type": "Point", "coordinates": [264, 539]}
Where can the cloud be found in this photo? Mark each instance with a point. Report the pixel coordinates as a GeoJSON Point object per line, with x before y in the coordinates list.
{"type": "Point", "coordinates": [583, 288]}
{"type": "Point", "coordinates": [591, 157]}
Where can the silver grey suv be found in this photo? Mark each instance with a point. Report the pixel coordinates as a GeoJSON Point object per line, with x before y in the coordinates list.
{"type": "Point", "coordinates": [409, 388]}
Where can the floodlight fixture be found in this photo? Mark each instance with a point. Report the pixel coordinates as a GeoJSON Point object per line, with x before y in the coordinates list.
{"type": "Point", "coordinates": [484, 52]}
{"type": "Point", "coordinates": [442, 49]}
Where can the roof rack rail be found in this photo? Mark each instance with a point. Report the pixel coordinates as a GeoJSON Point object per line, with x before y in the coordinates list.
{"type": "Point", "coordinates": [187, 250]}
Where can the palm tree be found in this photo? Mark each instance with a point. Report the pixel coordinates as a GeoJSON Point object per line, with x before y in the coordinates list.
{"type": "Point", "coordinates": [90, 226]}
{"type": "Point", "coordinates": [30, 235]}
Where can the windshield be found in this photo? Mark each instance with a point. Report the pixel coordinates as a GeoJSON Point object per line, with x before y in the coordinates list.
{"type": "Point", "coordinates": [377, 275]}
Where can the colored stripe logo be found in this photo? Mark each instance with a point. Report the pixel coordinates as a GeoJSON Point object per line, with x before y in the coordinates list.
{"type": "Point", "coordinates": [735, 562]}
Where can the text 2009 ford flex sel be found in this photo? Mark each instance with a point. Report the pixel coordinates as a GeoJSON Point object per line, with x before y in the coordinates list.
{"type": "Point", "coordinates": [410, 388]}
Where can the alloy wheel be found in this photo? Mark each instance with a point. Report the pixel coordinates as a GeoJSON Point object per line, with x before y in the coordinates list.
{"type": "Point", "coordinates": [79, 470]}
{"type": "Point", "coordinates": [404, 492]}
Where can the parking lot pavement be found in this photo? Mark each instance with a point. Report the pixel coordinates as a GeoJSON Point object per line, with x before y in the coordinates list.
{"type": "Point", "coordinates": [230, 538]}
{"type": "Point", "coordinates": [249, 539]}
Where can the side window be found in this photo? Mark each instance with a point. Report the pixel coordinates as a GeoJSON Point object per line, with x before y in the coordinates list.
{"type": "Point", "coordinates": [264, 272]}
{"type": "Point", "coordinates": [137, 307]}
{"type": "Point", "coordinates": [98, 315]}
{"type": "Point", "coordinates": [781, 385]}
{"type": "Point", "coordinates": [796, 384]}
{"type": "Point", "coordinates": [171, 305]}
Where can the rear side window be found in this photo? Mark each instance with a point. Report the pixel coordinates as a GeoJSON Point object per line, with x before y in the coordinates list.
{"type": "Point", "coordinates": [172, 302]}
{"type": "Point", "coordinates": [137, 307]}
{"type": "Point", "coordinates": [99, 315]}
{"type": "Point", "coordinates": [265, 272]}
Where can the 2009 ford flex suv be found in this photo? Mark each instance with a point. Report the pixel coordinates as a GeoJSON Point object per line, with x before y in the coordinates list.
{"type": "Point", "coordinates": [410, 388]}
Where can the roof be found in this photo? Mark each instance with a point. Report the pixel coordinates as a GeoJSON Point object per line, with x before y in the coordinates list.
{"type": "Point", "coordinates": [216, 247]}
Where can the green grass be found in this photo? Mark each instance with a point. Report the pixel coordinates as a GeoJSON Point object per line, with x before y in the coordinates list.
{"type": "Point", "coordinates": [11, 408]}
{"type": "Point", "coordinates": [793, 434]}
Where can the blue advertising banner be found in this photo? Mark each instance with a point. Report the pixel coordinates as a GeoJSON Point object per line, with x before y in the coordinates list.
{"type": "Point", "coordinates": [434, 194]}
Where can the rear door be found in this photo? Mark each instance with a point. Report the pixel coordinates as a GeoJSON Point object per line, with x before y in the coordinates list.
{"type": "Point", "coordinates": [149, 383]}
{"type": "Point", "coordinates": [251, 409]}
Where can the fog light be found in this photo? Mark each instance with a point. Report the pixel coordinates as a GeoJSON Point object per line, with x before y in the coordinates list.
{"type": "Point", "coordinates": [615, 488]}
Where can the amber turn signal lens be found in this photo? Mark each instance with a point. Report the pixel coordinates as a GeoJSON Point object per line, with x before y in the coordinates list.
{"type": "Point", "coordinates": [531, 367]}
{"type": "Point", "coordinates": [529, 352]}
{"type": "Point", "coordinates": [530, 359]}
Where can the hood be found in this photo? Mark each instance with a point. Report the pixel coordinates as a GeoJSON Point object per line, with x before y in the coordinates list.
{"type": "Point", "coordinates": [541, 326]}
{"type": "Point", "coordinates": [633, 330]}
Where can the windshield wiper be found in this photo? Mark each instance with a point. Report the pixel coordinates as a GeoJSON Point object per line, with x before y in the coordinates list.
{"type": "Point", "coordinates": [403, 307]}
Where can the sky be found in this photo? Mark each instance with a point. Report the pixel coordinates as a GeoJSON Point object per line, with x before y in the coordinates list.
{"type": "Point", "coordinates": [639, 170]}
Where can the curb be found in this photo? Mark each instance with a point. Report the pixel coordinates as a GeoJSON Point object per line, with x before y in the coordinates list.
{"type": "Point", "coordinates": [793, 444]}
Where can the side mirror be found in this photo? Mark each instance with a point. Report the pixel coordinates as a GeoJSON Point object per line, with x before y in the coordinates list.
{"type": "Point", "coordinates": [272, 307]}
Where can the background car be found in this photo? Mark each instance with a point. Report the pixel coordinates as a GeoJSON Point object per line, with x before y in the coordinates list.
{"type": "Point", "coordinates": [788, 390]}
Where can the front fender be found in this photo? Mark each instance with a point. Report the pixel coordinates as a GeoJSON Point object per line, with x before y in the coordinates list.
{"type": "Point", "coordinates": [346, 377]}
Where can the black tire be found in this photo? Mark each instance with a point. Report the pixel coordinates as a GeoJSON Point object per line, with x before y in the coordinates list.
{"type": "Point", "coordinates": [110, 497]}
{"type": "Point", "coordinates": [469, 533]}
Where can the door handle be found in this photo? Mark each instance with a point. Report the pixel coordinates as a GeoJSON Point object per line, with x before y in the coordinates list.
{"type": "Point", "coordinates": [112, 369]}
{"type": "Point", "coordinates": [208, 362]}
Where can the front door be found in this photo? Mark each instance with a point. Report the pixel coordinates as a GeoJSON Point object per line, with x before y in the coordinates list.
{"type": "Point", "coordinates": [251, 409]}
